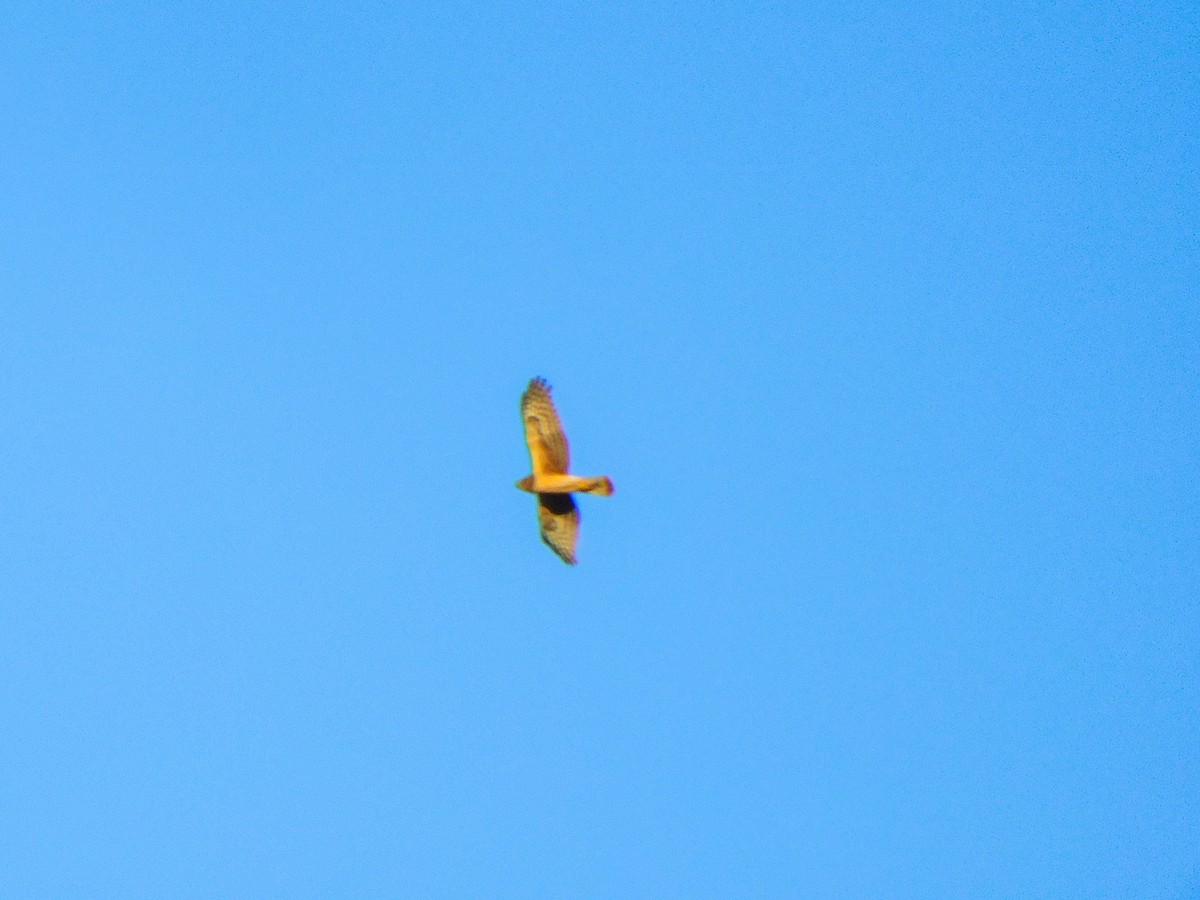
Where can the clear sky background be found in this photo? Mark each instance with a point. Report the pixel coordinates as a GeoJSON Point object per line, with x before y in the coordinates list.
{"type": "Point", "coordinates": [883, 318]}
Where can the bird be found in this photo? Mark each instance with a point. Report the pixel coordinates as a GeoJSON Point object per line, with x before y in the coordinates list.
{"type": "Point", "coordinates": [558, 516]}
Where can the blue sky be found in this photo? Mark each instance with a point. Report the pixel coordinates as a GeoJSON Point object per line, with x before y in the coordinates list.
{"type": "Point", "coordinates": [883, 320]}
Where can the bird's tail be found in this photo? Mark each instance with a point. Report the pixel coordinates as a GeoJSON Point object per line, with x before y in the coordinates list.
{"type": "Point", "coordinates": [602, 486]}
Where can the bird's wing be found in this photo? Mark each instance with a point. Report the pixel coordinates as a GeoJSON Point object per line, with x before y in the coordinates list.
{"type": "Point", "coordinates": [548, 451]}
{"type": "Point", "coordinates": [558, 517]}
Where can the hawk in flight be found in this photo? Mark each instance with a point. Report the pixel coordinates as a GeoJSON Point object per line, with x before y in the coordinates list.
{"type": "Point", "coordinates": [558, 516]}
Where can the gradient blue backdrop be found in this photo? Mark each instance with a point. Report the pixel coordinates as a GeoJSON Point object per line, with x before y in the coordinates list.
{"type": "Point", "coordinates": [882, 317]}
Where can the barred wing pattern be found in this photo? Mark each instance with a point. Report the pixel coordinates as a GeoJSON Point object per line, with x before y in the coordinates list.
{"type": "Point", "coordinates": [548, 451]}
{"type": "Point", "coordinates": [558, 518]}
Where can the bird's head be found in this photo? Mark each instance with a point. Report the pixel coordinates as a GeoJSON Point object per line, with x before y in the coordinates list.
{"type": "Point", "coordinates": [526, 483]}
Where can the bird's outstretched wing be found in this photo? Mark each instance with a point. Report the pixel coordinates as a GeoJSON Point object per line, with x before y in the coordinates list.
{"type": "Point", "coordinates": [558, 517]}
{"type": "Point", "coordinates": [548, 450]}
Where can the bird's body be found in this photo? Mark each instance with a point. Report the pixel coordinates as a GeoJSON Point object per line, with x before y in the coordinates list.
{"type": "Point", "coordinates": [549, 456]}
{"type": "Point", "coordinates": [554, 483]}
